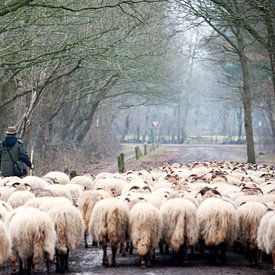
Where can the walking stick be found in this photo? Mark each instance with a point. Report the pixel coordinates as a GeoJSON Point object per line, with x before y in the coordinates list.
{"type": "Point", "coordinates": [31, 160]}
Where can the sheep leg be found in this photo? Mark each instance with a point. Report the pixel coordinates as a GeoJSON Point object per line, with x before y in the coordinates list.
{"type": "Point", "coordinates": [62, 263]}
{"type": "Point", "coordinates": [13, 264]}
{"type": "Point", "coordinates": [29, 265]}
{"type": "Point", "coordinates": [273, 259]}
{"type": "Point", "coordinates": [86, 240]}
{"type": "Point", "coordinates": [94, 244]}
{"type": "Point", "coordinates": [223, 253]}
{"type": "Point", "coordinates": [153, 255]}
{"type": "Point", "coordinates": [161, 250]}
{"type": "Point", "coordinates": [166, 249]}
{"type": "Point", "coordinates": [259, 258]}
{"type": "Point", "coordinates": [57, 263]}
{"type": "Point", "coordinates": [21, 267]}
{"type": "Point", "coordinates": [142, 261]}
{"type": "Point", "coordinates": [105, 261]}
{"type": "Point", "coordinates": [252, 256]}
{"type": "Point", "coordinates": [122, 250]}
{"type": "Point", "coordinates": [47, 263]}
{"type": "Point", "coordinates": [131, 249]}
{"type": "Point", "coordinates": [67, 260]}
{"type": "Point", "coordinates": [127, 247]}
{"type": "Point", "coordinates": [148, 259]}
{"type": "Point", "coordinates": [114, 250]}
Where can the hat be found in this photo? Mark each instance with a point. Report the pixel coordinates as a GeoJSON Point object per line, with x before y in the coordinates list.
{"type": "Point", "coordinates": [11, 131]}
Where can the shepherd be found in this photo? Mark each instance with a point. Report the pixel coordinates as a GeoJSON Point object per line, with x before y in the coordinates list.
{"type": "Point", "coordinates": [13, 156]}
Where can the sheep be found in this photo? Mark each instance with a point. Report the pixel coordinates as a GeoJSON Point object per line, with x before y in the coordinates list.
{"type": "Point", "coordinates": [86, 204]}
{"type": "Point", "coordinates": [5, 208]}
{"type": "Point", "coordinates": [57, 177]}
{"type": "Point", "coordinates": [145, 226]}
{"type": "Point", "coordinates": [270, 239]}
{"type": "Point", "coordinates": [217, 226]}
{"type": "Point", "coordinates": [32, 234]}
{"type": "Point", "coordinates": [113, 185]}
{"type": "Point", "coordinates": [109, 224]}
{"type": "Point", "coordinates": [75, 191]}
{"type": "Point", "coordinates": [262, 241]}
{"type": "Point", "coordinates": [34, 182]}
{"type": "Point", "coordinates": [7, 181]}
{"type": "Point", "coordinates": [68, 224]}
{"type": "Point", "coordinates": [249, 216]}
{"type": "Point", "coordinates": [49, 202]}
{"type": "Point", "coordinates": [59, 190]}
{"type": "Point", "coordinates": [84, 181]}
{"type": "Point", "coordinates": [19, 198]}
{"type": "Point", "coordinates": [180, 227]}
{"type": "Point", "coordinates": [5, 192]}
{"type": "Point", "coordinates": [5, 243]}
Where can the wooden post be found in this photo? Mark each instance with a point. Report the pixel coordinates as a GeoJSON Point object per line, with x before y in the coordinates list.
{"type": "Point", "coordinates": [138, 152]}
{"type": "Point", "coordinates": [145, 149]}
{"type": "Point", "coordinates": [120, 163]}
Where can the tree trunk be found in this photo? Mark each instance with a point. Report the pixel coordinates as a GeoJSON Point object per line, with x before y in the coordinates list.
{"type": "Point", "coordinates": [246, 100]}
{"type": "Point", "coordinates": [126, 127]}
{"type": "Point", "coordinates": [88, 123]}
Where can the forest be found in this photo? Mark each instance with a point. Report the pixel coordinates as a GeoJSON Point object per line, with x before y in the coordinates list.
{"type": "Point", "coordinates": [78, 78]}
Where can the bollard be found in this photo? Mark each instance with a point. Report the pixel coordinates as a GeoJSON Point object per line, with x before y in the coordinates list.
{"type": "Point", "coordinates": [145, 149]}
{"type": "Point", "coordinates": [120, 163]}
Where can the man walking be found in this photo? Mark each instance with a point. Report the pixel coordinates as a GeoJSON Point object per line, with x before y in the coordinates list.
{"type": "Point", "coordinates": [12, 151]}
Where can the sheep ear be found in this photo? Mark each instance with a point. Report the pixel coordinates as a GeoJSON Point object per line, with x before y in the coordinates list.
{"type": "Point", "coordinates": [147, 188]}
{"type": "Point", "coordinates": [134, 188]}
{"type": "Point", "coordinates": [15, 184]}
{"type": "Point", "coordinates": [198, 194]}
{"type": "Point", "coordinates": [28, 186]}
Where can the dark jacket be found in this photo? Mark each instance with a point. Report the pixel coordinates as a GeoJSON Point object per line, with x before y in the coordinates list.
{"type": "Point", "coordinates": [17, 151]}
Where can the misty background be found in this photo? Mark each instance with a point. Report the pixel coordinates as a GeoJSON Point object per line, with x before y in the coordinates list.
{"type": "Point", "coordinates": [79, 79]}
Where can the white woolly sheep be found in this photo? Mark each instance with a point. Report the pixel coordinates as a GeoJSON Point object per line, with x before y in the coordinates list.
{"type": "Point", "coordinates": [108, 224]}
{"type": "Point", "coordinates": [49, 202]}
{"type": "Point", "coordinates": [59, 190]}
{"type": "Point", "coordinates": [57, 177]}
{"type": "Point", "coordinates": [32, 234]}
{"type": "Point", "coordinates": [249, 217]}
{"type": "Point", "coordinates": [34, 182]}
{"type": "Point", "coordinates": [262, 229]}
{"type": "Point", "coordinates": [86, 204]}
{"type": "Point", "coordinates": [5, 243]}
{"type": "Point", "coordinates": [75, 191]}
{"type": "Point", "coordinates": [84, 181]}
{"type": "Point", "coordinates": [5, 192]}
{"type": "Point", "coordinates": [180, 227]}
{"type": "Point", "coordinates": [145, 225]}
{"type": "Point", "coordinates": [5, 208]}
{"type": "Point", "coordinates": [68, 224]}
{"type": "Point", "coordinates": [218, 226]}
{"type": "Point", "coordinates": [19, 198]}
{"type": "Point", "coordinates": [113, 185]}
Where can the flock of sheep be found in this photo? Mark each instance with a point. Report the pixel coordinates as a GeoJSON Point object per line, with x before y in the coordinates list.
{"type": "Point", "coordinates": [179, 208]}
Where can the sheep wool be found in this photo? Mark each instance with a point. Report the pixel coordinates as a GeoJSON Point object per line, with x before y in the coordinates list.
{"type": "Point", "coordinates": [68, 224]}
{"type": "Point", "coordinates": [217, 221]}
{"type": "Point", "coordinates": [262, 240]}
{"type": "Point", "coordinates": [109, 221]}
{"type": "Point", "coordinates": [19, 198]}
{"type": "Point", "coordinates": [5, 243]}
{"type": "Point", "coordinates": [179, 223]}
{"type": "Point", "coordinates": [145, 225]}
{"type": "Point", "coordinates": [249, 217]}
{"type": "Point", "coordinates": [32, 233]}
